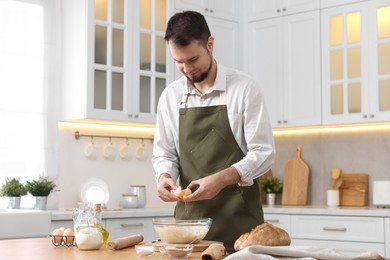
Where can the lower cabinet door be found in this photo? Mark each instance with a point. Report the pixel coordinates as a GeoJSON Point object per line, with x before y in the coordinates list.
{"type": "Point", "coordinates": [124, 227]}
{"type": "Point", "coordinates": [62, 223]}
{"type": "Point", "coordinates": [279, 220]}
{"type": "Point", "coordinates": [342, 247]}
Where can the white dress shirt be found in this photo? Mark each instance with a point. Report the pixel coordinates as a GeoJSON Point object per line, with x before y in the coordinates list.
{"type": "Point", "coordinates": [247, 115]}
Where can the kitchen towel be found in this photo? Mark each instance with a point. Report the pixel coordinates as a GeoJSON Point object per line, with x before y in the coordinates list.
{"type": "Point", "coordinates": [296, 252]}
{"type": "Point", "coordinates": [124, 242]}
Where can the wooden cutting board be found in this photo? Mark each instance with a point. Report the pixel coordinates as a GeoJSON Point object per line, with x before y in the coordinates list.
{"type": "Point", "coordinates": [354, 189]}
{"type": "Point", "coordinates": [198, 247]}
{"type": "Point", "coordinates": [296, 181]}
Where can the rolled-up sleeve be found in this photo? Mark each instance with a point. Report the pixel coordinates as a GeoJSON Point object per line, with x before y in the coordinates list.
{"type": "Point", "coordinates": [257, 138]}
{"type": "Point", "coordinates": [165, 155]}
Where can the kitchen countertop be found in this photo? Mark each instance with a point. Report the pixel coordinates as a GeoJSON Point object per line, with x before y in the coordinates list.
{"type": "Point", "coordinates": [57, 215]}
{"type": "Point", "coordinates": [118, 213]}
{"type": "Point", "coordinates": [325, 210]}
{"type": "Point", "coordinates": [43, 249]}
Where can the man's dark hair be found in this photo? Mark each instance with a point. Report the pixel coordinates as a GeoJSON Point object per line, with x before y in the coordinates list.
{"type": "Point", "coordinates": [187, 26]}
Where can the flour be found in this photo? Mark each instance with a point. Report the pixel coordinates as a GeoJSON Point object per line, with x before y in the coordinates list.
{"type": "Point", "coordinates": [89, 238]}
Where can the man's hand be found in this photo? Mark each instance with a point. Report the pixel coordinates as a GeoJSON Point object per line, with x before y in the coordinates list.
{"type": "Point", "coordinates": [164, 187]}
{"type": "Point", "coordinates": [208, 187]}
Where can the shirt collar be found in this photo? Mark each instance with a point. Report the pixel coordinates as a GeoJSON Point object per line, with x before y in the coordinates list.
{"type": "Point", "coordinates": [219, 84]}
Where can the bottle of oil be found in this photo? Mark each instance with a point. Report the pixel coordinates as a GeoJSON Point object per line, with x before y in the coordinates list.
{"type": "Point", "coordinates": [97, 221]}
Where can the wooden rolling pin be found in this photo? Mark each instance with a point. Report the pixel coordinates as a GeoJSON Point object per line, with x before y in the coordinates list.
{"type": "Point", "coordinates": [124, 242]}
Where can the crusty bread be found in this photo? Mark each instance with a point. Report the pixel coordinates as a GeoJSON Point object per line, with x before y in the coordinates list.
{"type": "Point", "coordinates": [265, 234]}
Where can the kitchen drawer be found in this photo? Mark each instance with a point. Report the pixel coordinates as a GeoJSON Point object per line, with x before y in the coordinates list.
{"type": "Point", "coordinates": [363, 229]}
{"type": "Point", "coordinates": [279, 220]}
{"type": "Point", "coordinates": [61, 223]}
{"type": "Point", "coordinates": [343, 247]}
{"type": "Point", "coordinates": [131, 226]}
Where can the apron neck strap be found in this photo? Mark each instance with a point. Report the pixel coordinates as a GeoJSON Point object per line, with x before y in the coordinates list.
{"type": "Point", "coordinates": [184, 99]}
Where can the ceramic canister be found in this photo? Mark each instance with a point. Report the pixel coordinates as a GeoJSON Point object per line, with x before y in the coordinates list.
{"type": "Point", "coordinates": [140, 191]}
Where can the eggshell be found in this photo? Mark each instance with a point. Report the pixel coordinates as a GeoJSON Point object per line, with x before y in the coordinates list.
{"type": "Point", "coordinates": [57, 236]}
{"type": "Point", "coordinates": [180, 193]}
{"type": "Point", "coordinates": [68, 236]}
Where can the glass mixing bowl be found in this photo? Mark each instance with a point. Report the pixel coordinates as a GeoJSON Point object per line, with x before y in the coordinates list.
{"type": "Point", "coordinates": [175, 231]}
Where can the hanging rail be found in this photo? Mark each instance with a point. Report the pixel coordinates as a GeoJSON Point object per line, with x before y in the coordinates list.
{"type": "Point", "coordinates": [77, 135]}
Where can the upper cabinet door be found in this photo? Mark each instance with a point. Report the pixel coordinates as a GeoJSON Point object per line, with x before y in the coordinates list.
{"type": "Point", "coordinates": [114, 63]}
{"type": "Point", "coordinates": [264, 9]}
{"type": "Point", "coordinates": [334, 3]}
{"type": "Point", "coordinates": [224, 9]}
{"type": "Point", "coordinates": [285, 59]}
{"type": "Point", "coordinates": [356, 68]}
{"type": "Point", "coordinates": [379, 60]}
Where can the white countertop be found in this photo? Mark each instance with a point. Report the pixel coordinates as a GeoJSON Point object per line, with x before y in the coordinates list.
{"type": "Point", "coordinates": [123, 213]}
{"type": "Point", "coordinates": [299, 210]}
{"type": "Point", "coordinates": [325, 210]}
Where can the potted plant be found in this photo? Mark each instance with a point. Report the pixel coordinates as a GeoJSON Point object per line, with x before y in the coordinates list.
{"type": "Point", "coordinates": [13, 189]}
{"type": "Point", "coordinates": [40, 189]}
{"type": "Point", "coordinates": [271, 186]}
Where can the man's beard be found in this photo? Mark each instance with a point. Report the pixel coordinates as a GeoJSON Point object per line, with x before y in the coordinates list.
{"type": "Point", "coordinates": [202, 76]}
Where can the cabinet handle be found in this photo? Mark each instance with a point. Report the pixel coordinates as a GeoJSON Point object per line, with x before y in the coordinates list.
{"type": "Point", "coordinates": [132, 225]}
{"type": "Point", "coordinates": [135, 116]}
{"type": "Point", "coordinates": [130, 115]}
{"type": "Point", "coordinates": [272, 220]}
{"type": "Point", "coordinates": [372, 116]}
{"type": "Point", "coordinates": [211, 10]}
{"type": "Point", "coordinates": [364, 116]}
{"type": "Point", "coordinates": [279, 121]}
{"type": "Point", "coordinates": [206, 9]}
{"type": "Point", "coordinates": [278, 10]}
{"type": "Point", "coordinates": [334, 229]}
{"type": "Point", "coordinates": [284, 121]}
{"type": "Point", "coordinates": [284, 9]}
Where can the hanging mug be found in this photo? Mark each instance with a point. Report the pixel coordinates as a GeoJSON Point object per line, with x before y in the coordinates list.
{"type": "Point", "coordinates": [108, 151]}
{"type": "Point", "coordinates": [124, 151]}
{"type": "Point", "coordinates": [140, 151]}
{"type": "Point", "coordinates": [90, 150]}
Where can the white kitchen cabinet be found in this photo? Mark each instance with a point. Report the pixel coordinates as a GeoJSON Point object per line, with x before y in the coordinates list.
{"type": "Point", "coordinates": [333, 3]}
{"type": "Point", "coordinates": [279, 220]}
{"type": "Point", "coordinates": [61, 223]}
{"type": "Point", "coordinates": [264, 9]}
{"type": "Point", "coordinates": [347, 235]}
{"type": "Point", "coordinates": [223, 9]}
{"type": "Point", "coordinates": [355, 59]}
{"type": "Point", "coordinates": [387, 236]}
{"type": "Point", "coordinates": [285, 59]}
{"type": "Point", "coordinates": [123, 227]}
{"type": "Point", "coordinates": [225, 33]}
{"type": "Point", "coordinates": [113, 59]}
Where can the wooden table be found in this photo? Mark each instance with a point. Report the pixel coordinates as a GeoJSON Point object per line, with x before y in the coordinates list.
{"type": "Point", "coordinates": [43, 249]}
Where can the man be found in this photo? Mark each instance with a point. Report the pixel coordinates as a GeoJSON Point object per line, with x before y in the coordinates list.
{"type": "Point", "coordinates": [213, 133]}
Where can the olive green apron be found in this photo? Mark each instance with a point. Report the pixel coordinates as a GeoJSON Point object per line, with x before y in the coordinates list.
{"type": "Point", "coordinates": [207, 145]}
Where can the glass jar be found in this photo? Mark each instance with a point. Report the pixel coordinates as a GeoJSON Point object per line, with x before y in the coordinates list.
{"type": "Point", "coordinates": [89, 237]}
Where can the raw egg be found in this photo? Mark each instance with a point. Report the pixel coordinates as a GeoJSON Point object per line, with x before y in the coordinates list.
{"type": "Point", "coordinates": [57, 236]}
{"type": "Point", "coordinates": [182, 194]}
{"type": "Point", "coordinates": [68, 236]}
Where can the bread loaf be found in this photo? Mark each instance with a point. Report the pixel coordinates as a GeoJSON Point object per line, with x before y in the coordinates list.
{"type": "Point", "coordinates": [265, 234]}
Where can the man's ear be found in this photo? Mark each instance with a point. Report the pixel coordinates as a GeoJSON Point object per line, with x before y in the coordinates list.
{"type": "Point", "coordinates": [210, 44]}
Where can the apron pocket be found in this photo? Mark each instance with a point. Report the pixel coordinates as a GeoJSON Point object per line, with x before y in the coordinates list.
{"type": "Point", "coordinates": [205, 156]}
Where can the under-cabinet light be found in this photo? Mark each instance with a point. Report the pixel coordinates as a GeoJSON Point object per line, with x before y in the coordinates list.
{"type": "Point", "coordinates": [331, 129]}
